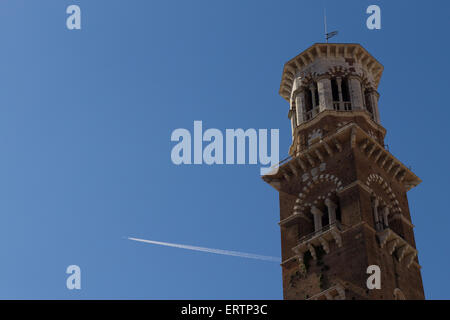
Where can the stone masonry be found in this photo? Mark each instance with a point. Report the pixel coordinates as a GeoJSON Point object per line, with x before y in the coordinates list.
{"type": "Point", "coordinates": [343, 202]}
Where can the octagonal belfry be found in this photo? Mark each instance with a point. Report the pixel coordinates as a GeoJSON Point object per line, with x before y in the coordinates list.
{"type": "Point", "coordinates": [343, 202]}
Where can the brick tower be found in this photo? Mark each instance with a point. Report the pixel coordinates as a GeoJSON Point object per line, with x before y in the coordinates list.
{"type": "Point", "coordinates": [343, 203]}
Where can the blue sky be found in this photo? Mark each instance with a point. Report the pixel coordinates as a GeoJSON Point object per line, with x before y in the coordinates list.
{"type": "Point", "coordinates": [85, 124]}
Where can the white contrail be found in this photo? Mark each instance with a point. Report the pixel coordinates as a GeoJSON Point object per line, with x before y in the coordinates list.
{"type": "Point", "coordinates": [210, 250]}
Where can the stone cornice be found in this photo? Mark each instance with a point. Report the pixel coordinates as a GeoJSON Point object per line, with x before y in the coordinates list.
{"type": "Point", "coordinates": [292, 219]}
{"type": "Point", "coordinates": [324, 113]}
{"type": "Point", "coordinates": [352, 113]}
{"type": "Point", "coordinates": [308, 159]}
{"type": "Point", "coordinates": [392, 242]}
{"type": "Point", "coordinates": [386, 161]}
{"type": "Point", "coordinates": [399, 216]}
{"type": "Point", "coordinates": [291, 259]}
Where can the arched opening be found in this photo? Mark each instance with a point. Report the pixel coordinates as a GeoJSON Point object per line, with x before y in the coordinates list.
{"type": "Point", "coordinates": [334, 90]}
{"type": "Point", "coordinates": [338, 211]}
{"type": "Point", "coordinates": [308, 105]}
{"type": "Point", "coordinates": [306, 227]}
{"type": "Point", "coordinates": [325, 218]}
{"type": "Point", "coordinates": [377, 213]}
{"type": "Point", "coordinates": [316, 95]}
{"type": "Point", "coordinates": [340, 91]}
{"type": "Point", "coordinates": [345, 91]}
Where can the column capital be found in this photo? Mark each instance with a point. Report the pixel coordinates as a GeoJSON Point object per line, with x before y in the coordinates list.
{"type": "Point", "coordinates": [316, 211]}
{"type": "Point", "coordinates": [329, 203]}
{"type": "Point", "coordinates": [324, 76]}
{"type": "Point", "coordinates": [299, 90]}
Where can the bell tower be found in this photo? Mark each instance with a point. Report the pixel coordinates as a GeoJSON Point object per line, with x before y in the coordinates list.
{"type": "Point", "coordinates": [343, 202]}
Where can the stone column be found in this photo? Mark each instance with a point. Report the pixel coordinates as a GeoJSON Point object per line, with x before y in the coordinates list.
{"type": "Point", "coordinates": [386, 216]}
{"type": "Point", "coordinates": [292, 118]}
{"type": "Point", "coordinates": [325, 95]}
{"type": "Point", "coordinates": [339, 84]}
{"type": "Point", "coordinates": [375, 214]}
{"type": "Point", "coordinates": [374, 98]}
{"type": "Point", "coordinates": [317, 218]}
{"type": "Point", "coordinates": [356, 94]}
{"type": "Point", "coordinates": [331, 210]}
{"type": "Point", "coordinates": [300, 104]}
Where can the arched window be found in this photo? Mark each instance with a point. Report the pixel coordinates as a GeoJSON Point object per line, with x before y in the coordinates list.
{"type": "Point", "coordinates": [311, 101]}
{"type": "Point", "coordinates": [340, 91]}
{"type": "Point", "coordinates": [380, 210]}
{"type": "Point", "coordinates": [345, 90]}
{"type": "Point", "coordinates": [376, 213]}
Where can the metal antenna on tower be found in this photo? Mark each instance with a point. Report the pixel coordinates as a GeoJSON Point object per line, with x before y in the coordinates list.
{"type": "Point", "coordinates": [332, 33]}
